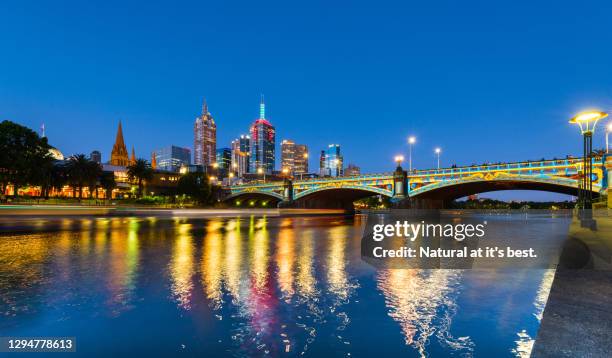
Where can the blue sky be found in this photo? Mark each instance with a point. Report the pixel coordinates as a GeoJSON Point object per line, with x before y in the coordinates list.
{"type": "Point", "coordinates": [484, 80]}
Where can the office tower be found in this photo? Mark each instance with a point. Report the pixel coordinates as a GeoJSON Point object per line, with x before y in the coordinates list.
{"type": "Point", "coordinates": [294, 157]}
{"type": "Point", "coordinates": [262, 143]}
{"type": "Point", "coordinates": [331, 161]}
{"type": "Point", "coordinates": [205, 138]}
{"type": "Point", "coordinates": [96, 156]}
{"type": "Point", "coordinates": [171, 158]}
{"type": "Point", "coordinates": [241, 148]}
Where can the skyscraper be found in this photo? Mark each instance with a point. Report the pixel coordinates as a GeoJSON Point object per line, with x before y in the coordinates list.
{"type": "Point", "coordinates": [241, 151]}
{"type": "Point", "coordinates": [119, 154]}
{"type": "Point", "coordinates": [96, 156]}
{"type": "Point", "coordinates": [294, 157]}
{"type": "Point", "coordinates": [171, 158]}
{"type": "Point", "coordinates": [205, 138]}
{"type": "Point", "coordinates": [262, 143]}
{"type": "Point", "coordinates": [331, 161]}
{"type": "Point", "coordinates": [224, 161]}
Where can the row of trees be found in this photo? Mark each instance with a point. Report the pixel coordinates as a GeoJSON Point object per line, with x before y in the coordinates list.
{"type": "Point", "coordinates": [25, 159]}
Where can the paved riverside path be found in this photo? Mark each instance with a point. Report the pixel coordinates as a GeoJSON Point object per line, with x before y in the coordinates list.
{"type": "Point", "coordinates": [577, 320]}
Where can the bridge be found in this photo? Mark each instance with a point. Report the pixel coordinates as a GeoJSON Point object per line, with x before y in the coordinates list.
{"type": "Point", "coordinates": [432, 188]}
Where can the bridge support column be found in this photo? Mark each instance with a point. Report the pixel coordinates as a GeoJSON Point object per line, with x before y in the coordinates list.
{"type": "Point", "coordinates": [287, 201]}
{"type": "Point", "coordinates": [400, 185]}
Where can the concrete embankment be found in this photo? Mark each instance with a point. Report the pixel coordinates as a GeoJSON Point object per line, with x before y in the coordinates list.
{"type": "Point", "coordinates": [577, 320]}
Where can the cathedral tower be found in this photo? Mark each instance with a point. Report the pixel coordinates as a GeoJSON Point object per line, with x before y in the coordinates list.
{"type": "Point", "coordinates": [119, 154]}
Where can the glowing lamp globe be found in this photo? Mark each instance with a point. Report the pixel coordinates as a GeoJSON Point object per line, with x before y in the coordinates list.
{"type": "Point", "coordinates": [588, 120]}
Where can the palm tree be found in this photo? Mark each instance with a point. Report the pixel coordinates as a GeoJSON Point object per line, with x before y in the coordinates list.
{"type": "Point", "coordinates": [107, 182]}
{"type": "Point", "coordinates": [94, 171]}
{"type": "Point", "coordinates": [140, 172]}
{"type": "Point", "coordinates": [78, 173]}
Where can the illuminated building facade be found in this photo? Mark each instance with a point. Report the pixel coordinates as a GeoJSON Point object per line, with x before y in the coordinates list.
{"type": "Point", "coordinates": [119, 154]}
{"type": "Point", "coordinates": [171, 158]}
{"type": "Point", "coordinates": [294, 157]}
{"type": "Point", "coordinates": [263, 137]}
{"type": "Point", "coordinates": [241, 153]}
{"type": "Point", "coordinates": [205, 138]}
{"type": "Point", "coordinates": [352, 170]}
{"type": "Point", "coordinates": [224, 161]}
{"type": "Point", "coordinates": [331, 161]}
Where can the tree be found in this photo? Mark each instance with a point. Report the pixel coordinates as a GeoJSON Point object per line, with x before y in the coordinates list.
{"type": "Point", "coordinates": [78, 173]}
{"type": "Point", "coordinates": [140, 171]}
{"type": "Point", "coordinates": [94, 171]}
{"type": "Point", "coordinates": [23, 155]}
{"type": "Point", "coordinates": [107, 182]}
{"type": "Point", "coordinates": [197, 186]}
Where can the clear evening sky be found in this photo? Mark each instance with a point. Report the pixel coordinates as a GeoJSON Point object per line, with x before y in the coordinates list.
{"type": "Point", "coordinates": [486, 81]}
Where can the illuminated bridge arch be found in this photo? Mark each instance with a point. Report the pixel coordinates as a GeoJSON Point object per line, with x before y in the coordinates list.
{"type": "Point", "coordinates": [361, 190]}
{"type": "Point", "coordinates": [255, 194]}
{"type": "Point", "coordinates": [461, 187]}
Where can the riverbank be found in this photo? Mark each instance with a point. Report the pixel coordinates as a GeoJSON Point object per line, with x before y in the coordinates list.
{"type": "Point", "coordinates": [84, 210]}
{"type": "Point", "coordinates": [577, 320]}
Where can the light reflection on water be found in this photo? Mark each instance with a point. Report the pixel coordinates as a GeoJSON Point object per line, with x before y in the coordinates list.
{"type": "Point", "coordinates": [252, 286]}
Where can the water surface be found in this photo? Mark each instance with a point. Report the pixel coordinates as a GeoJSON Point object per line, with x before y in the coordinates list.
{"type": "Point", "coordinates": [252, 286]}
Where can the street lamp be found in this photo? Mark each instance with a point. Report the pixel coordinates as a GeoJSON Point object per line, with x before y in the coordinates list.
{"type": "Point", "coordinates": [438, 151]}
{"type": "Point", "coordinates": [411, 141]}
{"type": "Point", "coordinates": [608, 131]}
{"type": "Point", "coordinates": [306, 166]}
{"type": "Point", "coordinates": [261, 171]}
{"type": "Point", "coordinates": [399, 159]}
{"type": "Point", "coordinates": [285, 171]}
{"type": "Point", "coordinates": [587, 122]}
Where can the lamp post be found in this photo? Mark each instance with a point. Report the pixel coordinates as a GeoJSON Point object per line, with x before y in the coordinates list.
{"type": "Point", "coordinates": [261, 171]}
{"type": "Point", "coordinates": [399, 159]}
{"type": "Point", "coordinates": [411, 141]}
{"type": "Point", "coordinates": [608, 131]}
{"type": "Point", "coordinates": [438, 151]}
{"type": "Point", "coordinates": [587, 122]}
{"type": "Point", "coordinates": [302, 172]}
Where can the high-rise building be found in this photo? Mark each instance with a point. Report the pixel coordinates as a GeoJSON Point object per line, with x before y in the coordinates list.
{"type": "Point", "coordinates": [224, 162]}
{"type": "Point", "coordinates": [171, 158]}
{"type": "Point", "coordinates": [263, 137]}
{"type": "Point", "coordinates": [96, 156]}
{"type": "Point", "coordinates": [331, 161]}
{"type": "Point", "coordinates": [352, 170]}
{"type": "Point", "coordinates": [119, 154]}
{"type": "Point", "coordinates": [294, 157]}
{"type": "Point", "coordinates": [205, 138]}
{"type": "Point", "coordinates": [241, 152]}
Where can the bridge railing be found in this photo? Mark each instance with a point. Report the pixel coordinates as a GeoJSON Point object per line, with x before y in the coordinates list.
{"type": "Point", "coordinates": [541, 164]}
{"type": "Point", "coordinates": [503, 166]}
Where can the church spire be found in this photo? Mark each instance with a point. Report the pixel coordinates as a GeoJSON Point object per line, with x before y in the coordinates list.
{"type": "Point", "coordinates": [119, 155]}
{"type": "Point", "coordinates": [204, 107]}
{"type": "Point", "coordinates": [133, 157]}
{"type": "Point", "coordinates": [262, 108]}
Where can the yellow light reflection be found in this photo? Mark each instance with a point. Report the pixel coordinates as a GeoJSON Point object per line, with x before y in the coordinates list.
{"type": "Point", "coordinates": [181, 266]}
{"type": "Point", "coordinates": [285, 260]}
{"type": "Point", "coordinates": [211, 264]}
